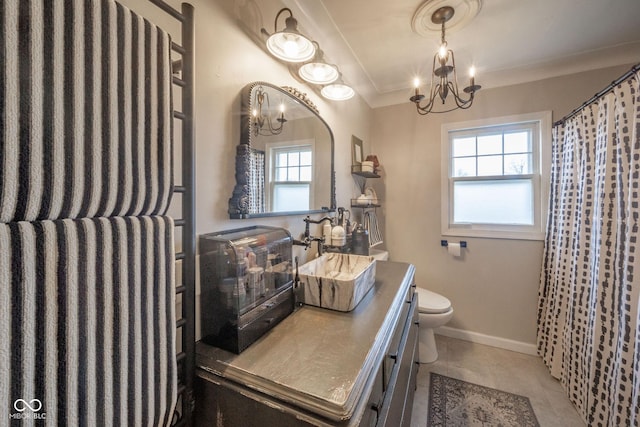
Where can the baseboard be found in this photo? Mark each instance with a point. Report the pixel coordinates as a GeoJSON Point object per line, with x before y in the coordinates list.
{"type": "Point", "coordinates": [507, 344]}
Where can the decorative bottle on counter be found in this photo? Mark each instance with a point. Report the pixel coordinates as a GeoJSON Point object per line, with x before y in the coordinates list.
{"type": "Point", "coordinates": [338, 236]}
{"type": "Point", "coordinates": [326, 232]}
{"type": "Point", "coordinates": [360, 241]}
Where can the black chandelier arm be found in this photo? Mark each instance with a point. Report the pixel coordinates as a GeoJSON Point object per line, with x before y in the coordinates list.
{"type": "Point", "coordinates": [454, 88]}
{"type": "Point", "coordinates": [423, 110]}
{"type": "Point", "coordinates": [466, 105]}
{"type": "Point", "coordinates": [270, 129]}
{"type": "Point", "coordinates": [460, 102]}
{"type": "Point", "coordinates": [262, 99]}
{"type": "Point", "coordinates": [424, 113]}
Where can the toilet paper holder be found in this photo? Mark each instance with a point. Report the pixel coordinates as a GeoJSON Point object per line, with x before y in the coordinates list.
{"type": "Point", "coordinates": [444, 243]}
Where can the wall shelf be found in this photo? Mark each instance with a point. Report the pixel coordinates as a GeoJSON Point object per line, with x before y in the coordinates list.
{"type": "Point", "coordinates": [360, 178]}
{"type": "Point", "coordinates": [356, 204]}
{"type": "Point", "coordinates": [356, 170]}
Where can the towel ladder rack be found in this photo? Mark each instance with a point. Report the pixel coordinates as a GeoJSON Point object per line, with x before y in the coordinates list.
{"type": "Point", "coordinates": [185, 291]}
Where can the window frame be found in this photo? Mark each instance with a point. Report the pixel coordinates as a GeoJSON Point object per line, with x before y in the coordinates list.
{"type": "Point", "coordinates": [541, 166]}
{"type": "Point", "coordinates": [271, 149]}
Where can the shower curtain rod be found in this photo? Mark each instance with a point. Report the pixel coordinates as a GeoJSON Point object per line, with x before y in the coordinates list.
{"type": "Point", "coordinates": [604, 91]}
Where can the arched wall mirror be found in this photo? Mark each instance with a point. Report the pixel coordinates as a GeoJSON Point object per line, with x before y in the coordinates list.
{"type": "Point", "coordinates": [284, 162]}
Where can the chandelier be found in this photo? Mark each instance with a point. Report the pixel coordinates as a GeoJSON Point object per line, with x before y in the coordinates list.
{"type": "Point", "coordinates": [444, 81]}
{"type": "Point", "coordinates": [262, 121]}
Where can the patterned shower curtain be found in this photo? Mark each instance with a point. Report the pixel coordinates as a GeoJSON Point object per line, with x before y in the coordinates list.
{"type": "Point", "coordinates": [588, 316]}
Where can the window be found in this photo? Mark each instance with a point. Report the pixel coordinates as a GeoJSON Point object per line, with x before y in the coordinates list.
{"type": "Point", "coordinates": [495, 177]}
{"type": "Point", "coordinates": [291, 177]}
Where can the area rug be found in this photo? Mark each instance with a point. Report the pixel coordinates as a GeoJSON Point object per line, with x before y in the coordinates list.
{"type": "Point", "coordinates": [455, 402]}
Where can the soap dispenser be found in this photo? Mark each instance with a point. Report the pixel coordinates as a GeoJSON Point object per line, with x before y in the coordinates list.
{"type": "Point", "coordinates": [338, 236]}
{"type": "Point", "coordinates": [326, 232]}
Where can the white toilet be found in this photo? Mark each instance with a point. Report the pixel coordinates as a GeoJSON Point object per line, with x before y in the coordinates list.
{"type": "Point", "coordinates": [434, 311]}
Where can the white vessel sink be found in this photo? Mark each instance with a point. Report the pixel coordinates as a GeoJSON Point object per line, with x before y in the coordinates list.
{"type": "Point", "coordinates": [337, 281]}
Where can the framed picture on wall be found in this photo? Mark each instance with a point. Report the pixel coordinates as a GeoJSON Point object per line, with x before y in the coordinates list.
{"type": "Point", "coordinates": [356, 151]}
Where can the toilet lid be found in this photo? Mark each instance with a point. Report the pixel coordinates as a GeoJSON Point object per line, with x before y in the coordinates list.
{"type": "Point", "coordinates": [430, 302]}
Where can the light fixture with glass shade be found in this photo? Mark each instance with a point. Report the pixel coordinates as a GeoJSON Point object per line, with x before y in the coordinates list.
{"type": "Point", "coordinates": [289, 44]}
{"type": "Point", "coordinates": [337, 91]}
{"type": "Point", "coordinates": [444, 73]}
{"type": "Point", "coordinates": [317, 70]}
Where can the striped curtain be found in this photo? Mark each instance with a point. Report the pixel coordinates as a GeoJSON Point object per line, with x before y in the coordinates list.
{"type": "Point", "coordinates": [588, 315]}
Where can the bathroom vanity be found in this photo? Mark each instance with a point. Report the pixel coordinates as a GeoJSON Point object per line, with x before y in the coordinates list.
{"type": "Point", "coordinates": [321, 367]}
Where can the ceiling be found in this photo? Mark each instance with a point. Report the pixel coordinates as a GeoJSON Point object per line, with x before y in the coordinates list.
{"type": "Point", "coordinates": [509, 41]}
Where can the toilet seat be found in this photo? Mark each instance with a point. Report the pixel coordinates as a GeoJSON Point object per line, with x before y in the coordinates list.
{"type": "Point", "coordinates": [431, 302]}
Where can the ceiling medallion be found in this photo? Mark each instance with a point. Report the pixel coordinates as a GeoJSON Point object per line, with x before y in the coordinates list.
{"type": "Point", "coordinates": [423, 25]}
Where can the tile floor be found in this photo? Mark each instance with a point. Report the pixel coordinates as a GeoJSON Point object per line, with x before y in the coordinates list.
{"type": "Point", "coordinates": [502, 369]}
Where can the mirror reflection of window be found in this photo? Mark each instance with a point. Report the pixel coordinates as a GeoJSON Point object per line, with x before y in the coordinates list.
{"type": "Point", "coordinates": [255, 195]}
{"type": "Point", "coordinates": [291, 176]}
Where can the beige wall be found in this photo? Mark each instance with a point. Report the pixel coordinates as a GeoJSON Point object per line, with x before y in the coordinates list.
{"type": "Point", "coordinates": [493, 287]}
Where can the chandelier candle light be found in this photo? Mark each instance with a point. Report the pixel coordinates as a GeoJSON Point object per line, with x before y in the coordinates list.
{"type": "Point", "coordinates": [444, 65]}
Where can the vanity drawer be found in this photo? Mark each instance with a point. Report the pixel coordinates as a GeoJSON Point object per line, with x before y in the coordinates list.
{"type": "Point", "coordinates": [401, 384]}
{"type": "Point", "coordinates": [411, 349]}
{"type": "Point", "coordinates": [410, 300]}
{"type": "Point", "coordinates": [374, 404]}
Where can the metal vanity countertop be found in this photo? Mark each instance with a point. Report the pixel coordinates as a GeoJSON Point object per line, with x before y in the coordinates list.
{"type": "Point", "coordinates": [317, 359]}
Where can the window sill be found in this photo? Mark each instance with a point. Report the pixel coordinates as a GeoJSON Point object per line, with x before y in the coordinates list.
{"type": "Point", "coordinates": [495, 234]}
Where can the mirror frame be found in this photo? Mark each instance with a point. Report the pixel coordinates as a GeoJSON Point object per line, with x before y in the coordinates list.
{"type": "Point", "coordinates": [240, 200]}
